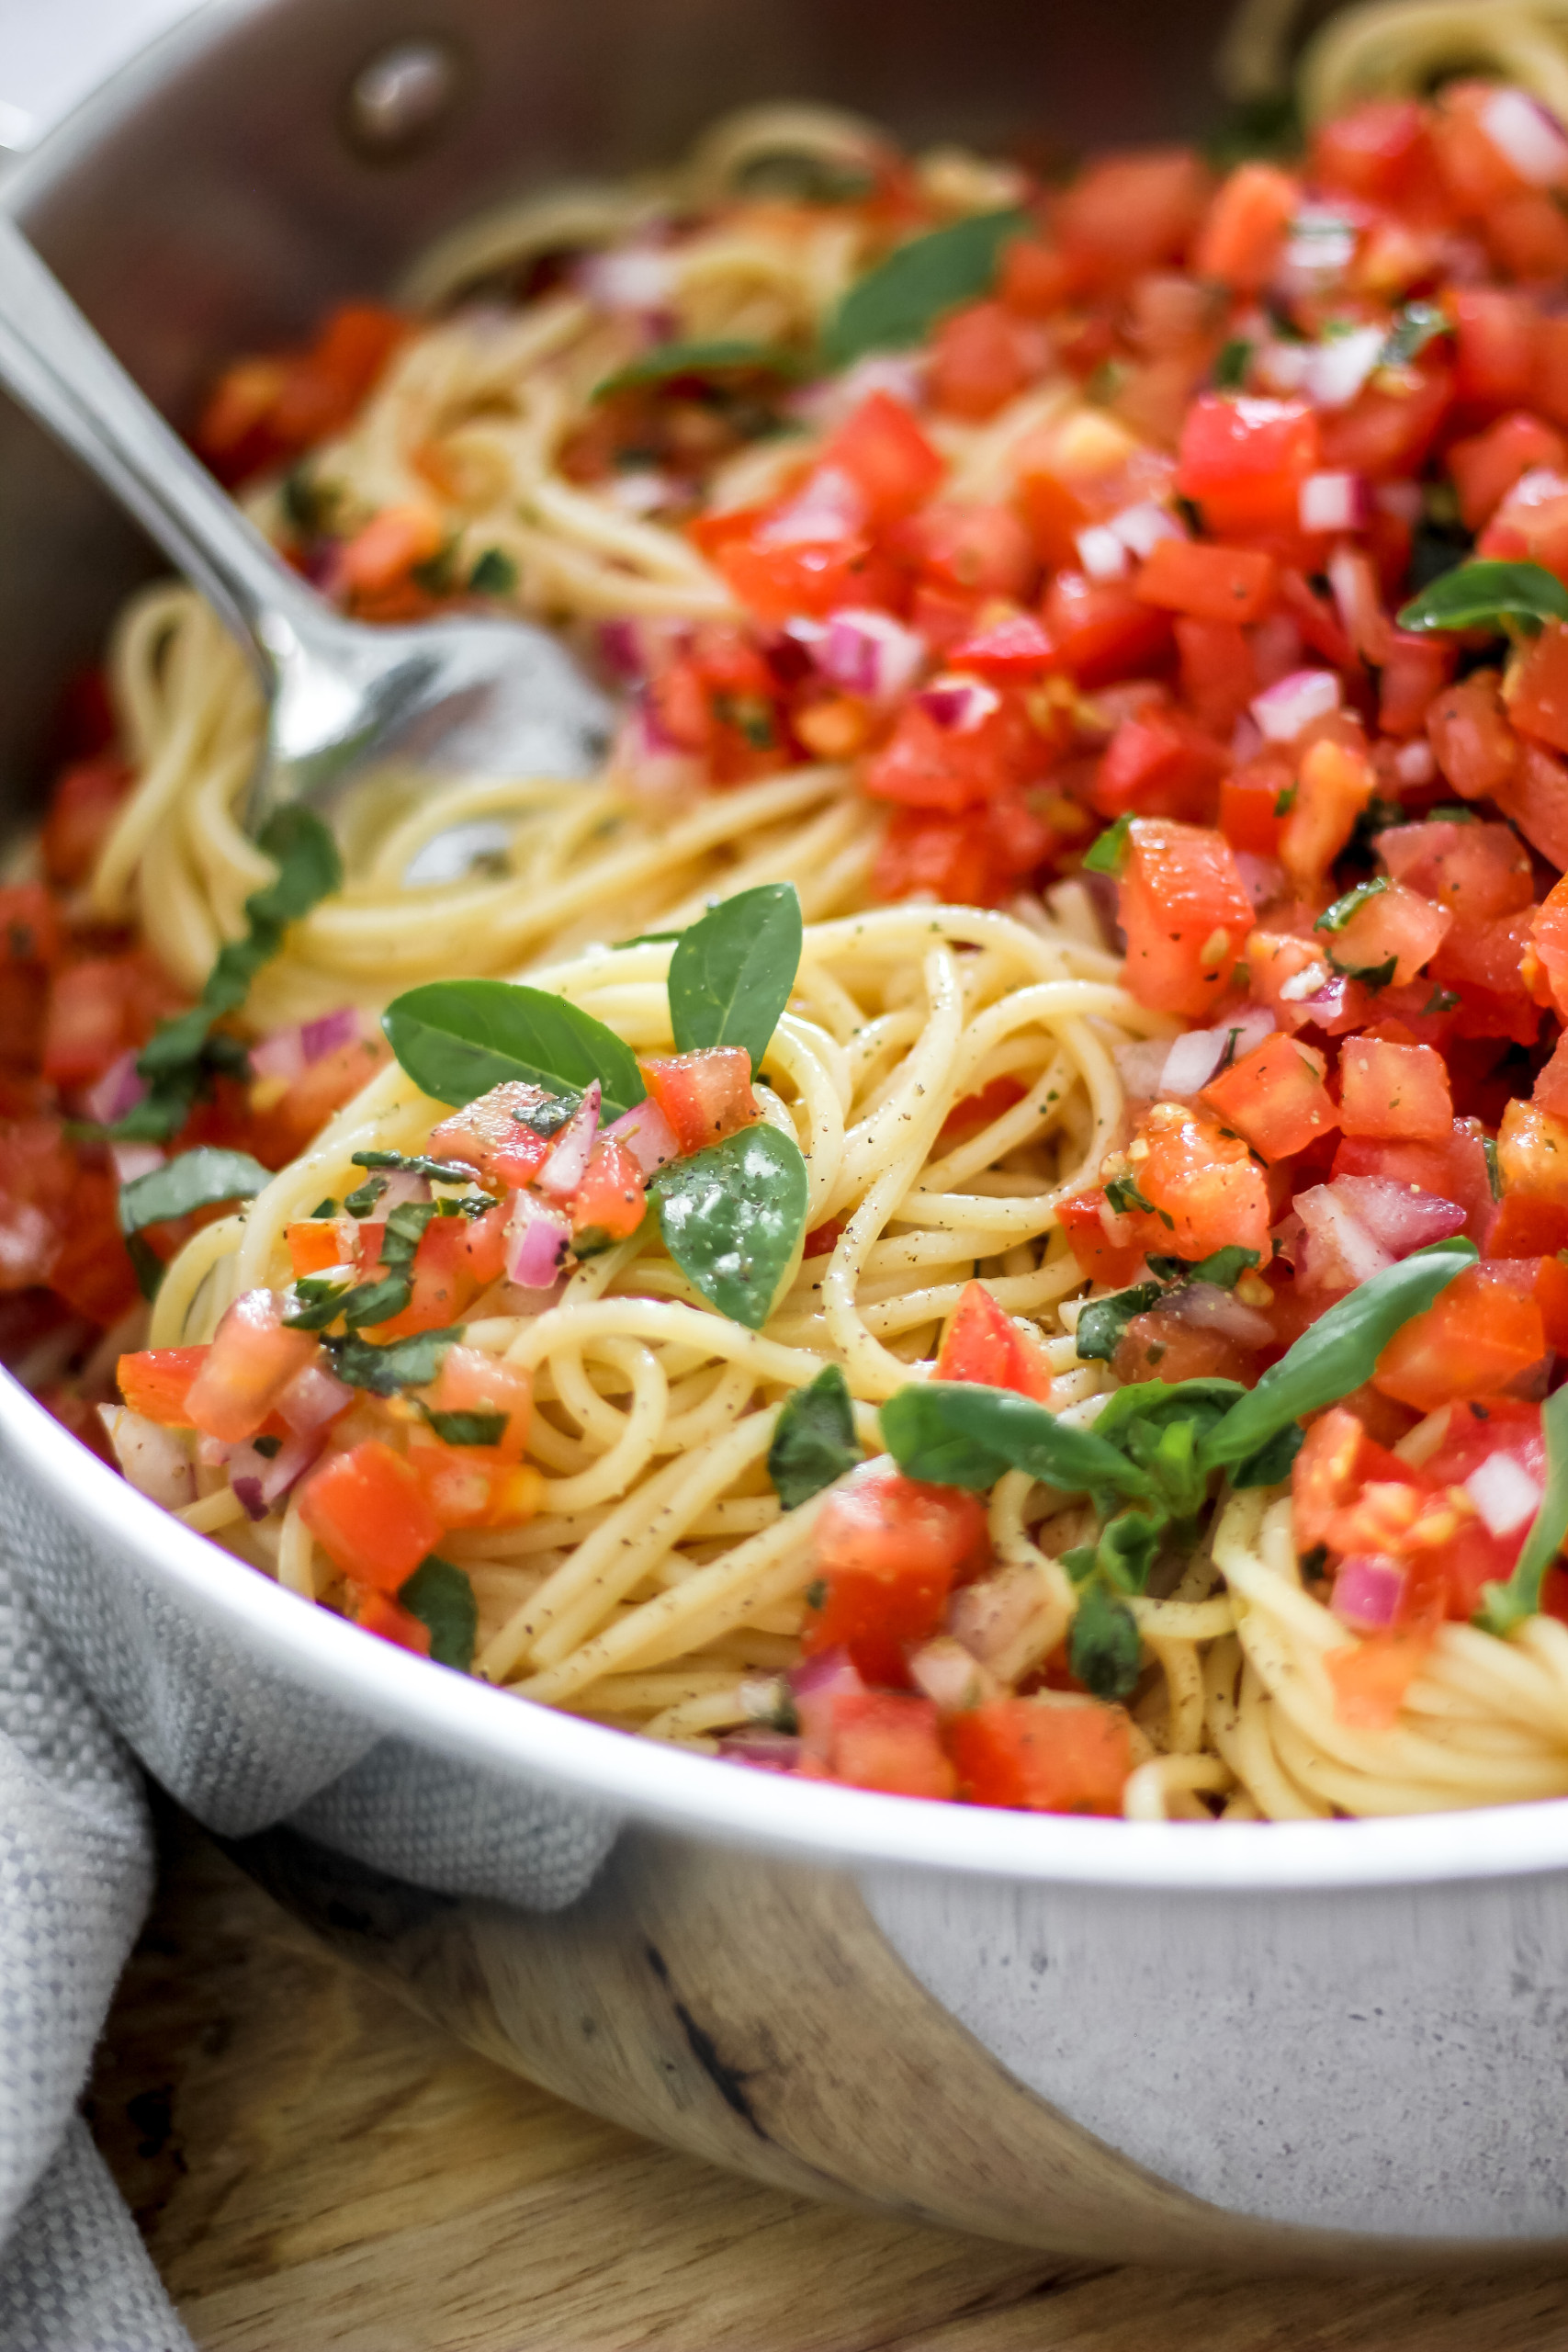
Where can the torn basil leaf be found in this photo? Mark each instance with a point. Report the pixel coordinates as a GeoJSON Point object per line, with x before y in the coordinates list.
{"type": "Point", "coordinates": [1340, 912]}
{"type": "Point", "coordinates": [416, 1163]}
{"type": "Point", "coordinates": [459, 1038]}
{"type": "Point", "coordinates": [733, 1218]}
{"type": "Point", "coordinates": [814, 1439]}
{"type": "Point", "coordinates": [467, 1429]}
{"type": "Point", "coordinates": [1104, 1648]}
{"type": "Point", "coordinates": [1102, 1325]}
{"type": "Point", "coordinates": [442, 1598]}
{"type": "Point", "coordinates": [896, 304]}
{"type": "Point", "coordinates": [413, 1362]}
{"type": "Point", "coordinates": [670, 363]}
{"type": "Point", "coordinates": [1109, 853]}
{"type": "Point", "coordinates": [957, 1433]}
{"type": "Point", "coordinates": [1490, 595]}
{"type": "Point", "coordinates": [731, 974]}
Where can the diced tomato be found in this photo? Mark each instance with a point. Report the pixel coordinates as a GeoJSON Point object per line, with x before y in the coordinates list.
{"type": "Point", "coordinates": [1474, 746]}
{"type": "Point", "coordinates": [984, 1345]}
{"type": "Point", "coordinates": [1536, 796]}
{"type": "Point", "coordinates": [928, 764]}
{"type": "Point", "coordinates": [884, 1739]}
{"type": "Point", "coordinates": [384, 551]}
{"type": "Point", "coordinates": [368, 1513]}
{"type": "Point", "coordinates": [494, 1134]}
{"type": "Point", "coordinates": [470, 1380]}
{"type": "Point", "coordinates": [1479, 1333]}
{"type": "Point", "coordinates": [29, 925]}
{"type": "Point", "coordinates": [1245, 461]}
{"type": "Point", "coordinates": [1219, 674]}
{"type": "Point", "coordinates": [378, 1614]}
{"type": "Point", "coordinates": [1338, 1464]}
{"type": "Point", "coordinates": [282, 1129]}
{"type": "Point", "coordinates": [1088, 1223]}
{"type": "Point", "coordinates": [1479, 871]}
{"type": "Point", "coordinates": [1159, 764]}
{"type": "Point", "coordinates": [1549, 1095]}
{"type": "Point", "coordinates": [976, 858]}
{"type": "Point", "coordinates": [1387, 431]}
{"type": "Point", "coordinates": [888, 1550]}
{"type": "Point", "coordinates": [1203, 1187]}
{"type": "Point", "coordinates": [1186, 914]}
{"type": "Point", "coordinates": [314, 1244]}
{"type": "Point", "coordinates": [612, 1199]}
{"type": "Point", "coordinates": [1124, 213]}
{"type": "Point", "coordinates": [1036, 1755]}
{"type": "Point", "coordinates": [1397, 925]}
{"type": "Point", "coordinates": [1526, 1227]}
{"type": "Point", "coordinates": [1532, 1152]}
{"type": "Point", "coordinates": [1376, 149]}
{"type": "Point", "coordinates": [1538, 687]}
{"type": "Point", "coordinates": [1549, 938]}
{"type": "Point", "coordinates": [92, 1270]}
{"type": "Point", "coordinates": [981, 358]}
{"type": "Point", "coordinates": [1394, 1090]}
{"type": "Point", "coordinates": [1100, 630]}
{"type": "Point", "coordinates": [823, 1240]}
{"type": "Point", "coordinates": [156, 1382]}
{"type": "Point", "coordinates": [1036, 279]}
{"type": "Point", "coordinates": [982, 550]}
{"type": "Point", "coordinates": [1251, 814]}
{"type": "Point", "coordinates": [1455, 1168]}
{"type": "Point", "coordinates": [472, 1486]}
{"type": "Point", "coordinates": [704, 1095]}
{"type": "Point", "coordinates": [1371, 1677]}
{"type": "Point", "coordinates": [974, 1112]}
{"type": "Point", "coordinates": [1486, 467]}
{"type": "Point", "coordinates": [444, 1278]}
{"type": "Point", "coordinates": [1335, 785]}
{"type": "Point", "coordinates": [1415, 669]}
{"type": "Point", "coordinates": [1012, 649]}
{"type": "Point", "coordinates": [1213, 583]}
{"type": "Point", "coordinates": [1497, 345]}
{"type": "Point", "coordinates": [1159, 1345]}
{"type": "Point", "coordinates": [1241, 237]}
{"type": "Point", "coordinates": [252, 1360]}
{"type": "Point", "coordinates": [266, 410]}
{"type": "Point", "coordinates": [885, 453]}
{"type": "Point", "coordinates": [83, 805]}
{"type": "Point", "coordinates": [84, 1027]}
{"type": "Point", "coordinates": [778, 575]}
{"type": "Point", "coordinates": [1275, 1097]}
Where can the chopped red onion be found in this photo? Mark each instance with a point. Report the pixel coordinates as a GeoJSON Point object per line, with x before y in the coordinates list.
{"type": "Point", "coordinates": [1414, 762]}
{"type": "Point", "coordinates": [642, 492]}
{"type": "Point", "coordinates": [1504, 1493]}
{"type": "Point", "coordinates": [647, 1134]}
{"type": "Point", "coordinates": [1101, 553]}
{"type": "Point", "coordinates": [830, 506]}
{"type": "Point", "coordinates": [1337, 370]}
{"type": "Point", "coordinates": [1206, 1307]}
{"type": "Point", "coordinates": [1263, 878]}
{"type": "Point", "coordinates": [153, 1460]}
{"type": "Point", "coordinates": [1335, 503]}
{"type": "Point", "coordinates": [1528, 135]}
{"type": "Point", "coordinates": [870, 654]}
{"type": "Point", "coordinates": [401, 1188]}
{"type": "Point", "coordinates": [1401, 499]}
{"type": "Point", "coordinates": [620, 650]}
{"type": "Point", "coordinates": [1247, 739]}
{"type": "Point", "coordinates": [635, 278]}
{"type": "Point", "coordinates": [288, 1465]}
{"type": "Point", "coordinates": [1141, 1066]}
{"type": "Point", "coordinates": [1359, 599]}
{"type": "Point", "coordinates": [131, 1160]}
{"type": "Point", "coordinates": [958, 702]}
{"type": "Point", "coordinates": [648, 758]}
{"type": "Point", "coordinates": [1368, 1591]}
{"type": "Point", "coordinates": [763, 1751]}
{"type": "Point", "coordinates": [1340, 1250]}
{"type": "Point", "coordinates": [1538, 487]}
{"type": "Point", "coordinates": [947, 1674]}
{"type": "Point", "coordinates": [1140, 528]}
{"type": "Point", "coordinates": [816, 1682]}
{"type": "Point", "coordinates": [1395, 1215]}
{"type": "Point", "coordinates": [286, 1052]}
{"type": "Point", "coordinates": [312, 1398]}
{"type": "Point", "coordinates": [833, 398]}
{"type": "Point", "coordinates": [537, 1238]}
{"type": "Point", "coordinates": [1276, 648]}
{"type": "Point", "coordinates": [119, 1089]}
{"type": "Point", "coordinates": [1191, 1062]}
{"type": "Point", "coordinates": [1285, 708]}
{"type": "Point", "coordinates": [564, 1170]}
{"type": "Point", "coordinates": [248, 1491]}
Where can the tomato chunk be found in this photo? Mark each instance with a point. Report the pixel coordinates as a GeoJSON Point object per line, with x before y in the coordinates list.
{"type": "Point", "coordinates": [156, 1382]}
{"type": "Point", "coordinates": [1186, 914]}
{"type": "Point", "coordinates": [1038, 1757]}
{"type": "Point", "coordinates": [883, 1739]}
{"type": "Point", "coordinates": [1202, 1187]}
{"type": "Point", "coordinates": [1212, 583]}
{"type": "Point", "coordinates": [1479, 1333]}
{"type": "Point", "coordinates": [611, 1200]}
{"type": "Point", "coordinates": [983, 1344]}
{"type": "Point", "coordinates": [506, 1134]}
{"type": "Point", "coordinates": [1245, 461]}
{"type": "Point", "coordinates": [888, 1550]}
{"type": "Point", "coordinates": [887, 457]}
{"type": "Point", "coordinates": [1275, 1097]}
{"type": "Point", "coordinates": [1394, 1090]}
{"type": "Point", "coordinates": [1538, 688]}
{"type": "Point", "coordinates": [368, 1513]}
{"type": "Point", "coordinates": [252, 1360]}
{"type": "Point", "coordinates": [704, 1095]}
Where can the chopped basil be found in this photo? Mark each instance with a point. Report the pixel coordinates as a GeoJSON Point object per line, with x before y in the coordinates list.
{"type": "Point", "coordinates": [1231, 367]}
{"type": "Point", "coordinates": [1442, 1001]}
{"type": "Point", "coordinates": [731, 974]}
{"type": "Point", "coordinates": [269, 1448]}
{"type": "Point", "coordinates": [467, 1429]}
{"type": "Point", "coordinates": [197, 1180]}
{"type": "Point", "coordinates": [814, 1439]}
{"type": "Point", "coordinates": [957, 1433]}
{"type": "Point", "coordinates": [442, 1598]}
{"type": "Point", "coordinates": [437, 1171]}
{"type": "Point", "coordinates": [1104, 1648]}
{"type": "Point", "coordinates": [1494, 1170]}
{"type": "Point", "coordinates": [1502, 597]}
{"type": "Point", "coordinates": [184, 1054]}
{"type": "Point", "coordinates": [495, 574]}
{"type": "Point", "coordinates": [1417, 325]}
{"type": "Point", "coordinates": [1340, 912]}
{"type": "Point", "coordinates": [733, 1218]}
{"type": "Point", "coordinates": [1122, 1193]}
{"type": "Point", "coordinates": [1223, 1268]}
{"type": "Point", "coordinates": [363, 1199]}
{"type": "Point", "coordinates": [1102, 1325]}
{"type": "Point", "coordinates": [1109, 853]}
{"type": "Point", "coordinates": [671, 363]}
{"type": "Point", "coordinates": [896, 304]}
{"type": "Point", "coordinates": [413, 1362]}
{"type": "Point", "coordinates": [459, 1038]}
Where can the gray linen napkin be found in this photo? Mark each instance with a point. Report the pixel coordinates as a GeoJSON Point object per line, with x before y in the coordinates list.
{"type": "Point", "coordinates": [75, 1875]}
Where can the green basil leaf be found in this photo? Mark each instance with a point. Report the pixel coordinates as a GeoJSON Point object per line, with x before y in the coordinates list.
{"type": "Point", "coordinates": [442, 1598]}
{"type": "Point", "coordinates": [467, 1429]}
{"type": "Point", "coordinates": [459, 1038]}
{"type": "Point", "coordinates": [733, 1216]}
{"type": "Point", "coordinates": [1223, 1267]}
{"type": "Point", "coordinates": [1103, 1323]}
{"type": "Point", "coordinates": [375, 1302]}
{"type": "Point", "coordinates": [405, 1231]}
{"type": "Point", "coordinates": [1493, 1167]}
{"type": "Point", "coordinates": [197, 1180]}
{"type": "Point", "coordinates": [363, 1199]}
{"type": "Point", "coordinates": [1338, 1353]}
{"type": "Point", "coordinates": [313, 1302]}
{"type": "Point", "coordinates": [898, 303]}
{"type": "Point", "coordinates": [1122, 1193]}
{"type": "Point", "coordinates": [956, 1433]}
{"type": "Point", "coordinates": [1109, 853]}
{"type": "Point", "coordinates": [1416, 325]}
{"type": "Point", "coordinates": [1503, 1606]}
{"type": "Point", "coordinates": [1488, 595]}
{"type": "Point", "coordinates": [406, 1163]}
{"type": "Point", "coordinates": [1128, 1548]}
{"type": "Point", "coordinates": [731, 974]}
{"type": "Point", "coordinates": [179, 1059]}
{"type": "Point", "coordinates": [495, 574]}
{"type": "Point", "coordinates": [1374, 976]}
{"type": "Point", "coordinates": [1271, 1462]}
{"type": "Point", "coordinates": [1340, 912]}
{"type": "Point", "coordinates": [667, 363]}
{"type": "Point", "coordinates": [413, 1362]}
{"type": "Point", "coordinates": [1104, 1648]}
{"type": "Point", "coordinates": [1231, 367]}
{"type": "Point", "coordinates": [814, 1439]}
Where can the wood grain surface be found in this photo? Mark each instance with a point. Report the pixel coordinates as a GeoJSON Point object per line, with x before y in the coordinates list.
{"type": "Point", "coordinates": [318, 2170]}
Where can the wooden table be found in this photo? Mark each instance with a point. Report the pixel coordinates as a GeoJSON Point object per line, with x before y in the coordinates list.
{"type": "Point", "coordinates": [318, 2170]}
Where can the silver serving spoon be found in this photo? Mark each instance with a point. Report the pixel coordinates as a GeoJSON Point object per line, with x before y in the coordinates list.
{"type": "Point", "coordinates": [470, 694]}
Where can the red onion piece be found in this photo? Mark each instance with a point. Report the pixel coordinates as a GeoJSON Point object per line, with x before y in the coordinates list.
{"type": "Point", "coordinates": [1414, 762]}
{"type": "Point", "coordinates": [832, 398]}
{"type": "Point", "coordinates": [1336, 370]}
{"type": "Point", "coordinates": [568, 1163]}
{"type": "Point", "coordinates": [1505, 1493]}
{"type": "Point", "coordinates": [1401, 1220]}
{"type": "Point", "coordinates": [1140, 528]}
{"type": "Point", "coordinates": [152, 1457]}
{"type": "Point", "coordinates": [1141, 1066]}
{"type": "Point", "coordinates": [1206, 1306]}
{"type": "Point", "coordinates": [248, 1491]}
{"type": "Point", "coordinates": [286, 1052]}
{"type": "Point", "coordinates": [1101, 553]}
{"type": "Point", "coordinates": [1358, 595]}
{"type": "Point", "coordinates": [1340, 1250]}
{"type": "Point", "coordinates": [634, 278]}
{"type": "Point", "coordinates": [118, 1091]}
{"type": "Point", "coordinates": [816, 1683]}
{"type": "Point", "coordinates": [830, 507]}
{"type": "Point", "coordinates": [1285, 708]}
{"type": "Point", "coordinates": [537, 1238]}
{"type": "Point", "coordinates": [289, 1464]}
{"type": "Point", "coordinates": [647, 1134]}
{"type": "Point", "coordinates": [131, 1160]}
{"type": "Point", "coordinates": [764, 1751]}
{"type": "Point", "coordinates": [870, 654]}
{"type": "Point", "coordinates": [312, 1398]}
{"type": "Point", "coordinates": [1191, 1062]}
{"type": "Point", "coordinates": [1335, 503]}
{"type": "Point", "coordinates": [1263, 879]}
{"type": "Point", "coordinates": [958, 702]}
{"type": "Point", "coordinates": [1528, 135]}
{"type": "Point", "coordinates": [1368, 1591]}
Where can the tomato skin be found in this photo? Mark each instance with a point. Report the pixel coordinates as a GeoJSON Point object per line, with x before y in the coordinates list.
{"type": "Point", "coordinates": [84, 1026]}
{"type": "Point", "coordinates": [1398, 925]}
{"type": "Point", "coordinates": [1479, 1333]}
{"type": "Point", "coordinates": [1478, 871]}
{"type": "Point", "coordinates": [1532, 1152]}
{"type": "Point", "coordinates": [885, 453]}
{"type": "Point", "coordinates": [1336, 783]}
{"type": "Point", "coordinates": [925, 765]}
{"type": "Point", "coordinates": [1244, 461]}
{"type": "Point", "coordinates": [1250, 816]}
{"type": "Point", "coordinates": [1160, 764]}
{"type": "Point", "coordinates": [1210, 584]}
{"type": "Point", "coordinates": [1527, 1228]}
{"type": "Point", "coordinates": [314, 1244]}
{"type": "Point", "coordinates": [1474, 746]}
{"type": "Point", "coordinates": [1538, 688]}
{"type": "Point", "coordinates": [1485, 467]}
{"type": "Point", "coordinates": [984, 1345]}
{"type": "Point", "coordinates": [1536, 796]}
{"type": "Point", "coordinates": [1375, 149]}
{"type": "Point", "coordinates": [612, 1199]}
{"type": "Point", "coordinates": [1013, 648]}
{"type": "Point", "coordinates": [1274, 1098]}
{"type": "Point", "coordinates": [1203, 1187]}
{"type": "Point", "coordinates": [1242, 234]}
{"type": "Point", "coordinates": [251, 1361]}
{"type": "Point", "coordinates": [1035, 1758]}
{"type": "Point", "coordinates": [1393, 1091]}
{"type": "Point", "coordinates": [978, 550]}
{"type": "Point", "coordinates": [1186, 914]}
{"type": "Point", "coordinates": [1496, 347]}
{"type": "Point", "coordinates": [156, 1382]}
{"type": "Point", "coordinates": [706, 1096]}
{"type": "Point", "coordinates": [1083, 1218]}
{"type": "Point", "coordinates": [491, 1135]}
{"type": "Point", "coordinates": [367, 1511]}
{"type": "Point", "coordinates": [981, 358]}
{"type": "Point", "coordinates": [884, 1739]}
{"type": "Point", "coordinates": [1386, 434]}
{"type": "Point", "coordinates": [1100, 630]}
{"type": "Point", "coordinates": [1219, 675]}
{"type": "Point", "coordinates": [888, 1550]}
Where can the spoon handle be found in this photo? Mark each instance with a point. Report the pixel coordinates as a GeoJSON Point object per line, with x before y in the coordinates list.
{"type": "Point", "coordinates": [57, 367]}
